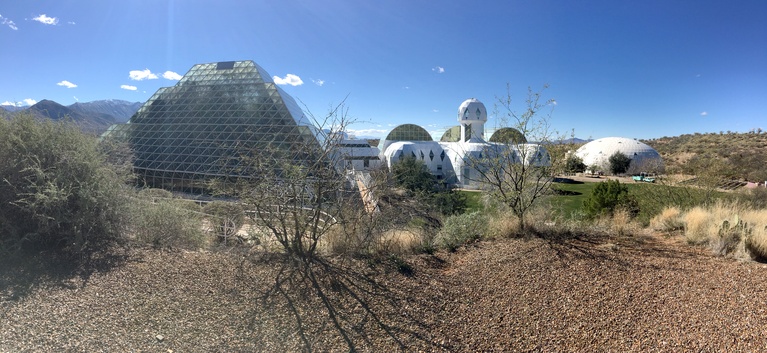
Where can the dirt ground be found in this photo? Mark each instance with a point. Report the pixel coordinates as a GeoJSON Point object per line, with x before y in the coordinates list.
{"type": "Point", "coordinates": [577, 293]}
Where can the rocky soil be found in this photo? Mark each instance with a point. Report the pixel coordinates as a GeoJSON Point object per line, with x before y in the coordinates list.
{"type": "Point", "coordinates": [587, 294]}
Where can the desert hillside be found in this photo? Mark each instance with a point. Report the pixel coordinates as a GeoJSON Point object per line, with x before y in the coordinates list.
{"type": "Point", "coordinates": [734, 155]}
{"type": "Point", "coordinates": [579, 294]}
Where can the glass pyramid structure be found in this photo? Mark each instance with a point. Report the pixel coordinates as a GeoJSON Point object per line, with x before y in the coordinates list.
{"type": "Point", "coordinates": [200, 128]}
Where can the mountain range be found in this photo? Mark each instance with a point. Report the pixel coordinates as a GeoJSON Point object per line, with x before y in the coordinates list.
{"type": "Point", "coordinates": [92, 117]}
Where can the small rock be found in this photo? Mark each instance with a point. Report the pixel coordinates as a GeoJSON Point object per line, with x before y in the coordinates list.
{"type": "Point", "coordinates": [159, 337]}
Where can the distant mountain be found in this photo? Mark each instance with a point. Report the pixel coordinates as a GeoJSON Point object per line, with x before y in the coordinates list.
{"type": "Point", "coordinates": [89, 122]}
{"type": "Point", "coordinates": [121, 110]}
{"type": "Point", "coordinates": [12, 108]}
{"type": "Point", "coordinates": [92, 117]}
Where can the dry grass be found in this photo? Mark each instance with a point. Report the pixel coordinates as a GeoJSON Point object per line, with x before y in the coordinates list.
{"type": "Point", "coordinates": [744, 236]}
{"type": "Point", "coordinates": [668, 220]}
{"type": "Point", "coordinates": [502, 226]}
{"type": "Point", "coordinates": [697, 224]}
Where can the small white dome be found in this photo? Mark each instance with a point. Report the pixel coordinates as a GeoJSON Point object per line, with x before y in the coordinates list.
{"type": "Point", "coordinates": [643, 157]}
{"type": "Point", "coordinates": [472, 110]}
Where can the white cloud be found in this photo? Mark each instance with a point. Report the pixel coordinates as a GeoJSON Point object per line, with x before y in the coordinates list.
{"type": "Point", "coordinates": [140, 75]}
{"type": "Point", "coordinates": [319, 82]}
{"type": "Point", "coordinates": [435, 110]}
{"type": "Point", "coordinates": [67, 84]}
{"type": "Point", "coordinates": [6, 22]}
{"type": "Point", "coordinates": [406, 87]}
{"type": "Point", "coordinates": [438, 69]}
{"type": "Point", "coordinates": [71, 23]}
{"type": "Point", "coordinates": [25, 102]}
{"type": "Point", "coordinates": [368, 132]}
{"type": "Point", "coordinates": [170, 75]}
{"type": "Point", "coordinates": [75, 97]}
{"type": "Point", "coordinates": [703, 113]}
{"type": "Point", "coordinates": [128, 87]}
{"type": "Point", "coordinates": [289, 79]}
{"type": "Point", "coordinates": [44, 19]}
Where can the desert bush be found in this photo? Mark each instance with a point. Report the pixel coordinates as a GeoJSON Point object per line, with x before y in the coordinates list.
{"type": "Point", "coordinates": [227, 218]}
{"type": "Point", "coordinates": [166, 224]}
{"type": "Point", "coordinates": [461, 229]}
{"type": "Point", "coordinates": [608, 196]}
{"type": "Point", "coordinates": [58, 190]}
{"type": "Point", "coordinates": [697, 226]}
{"type": "Point", "coordinates": [668, 220]}
{"type": "Point", "coordinates": [154, 193]}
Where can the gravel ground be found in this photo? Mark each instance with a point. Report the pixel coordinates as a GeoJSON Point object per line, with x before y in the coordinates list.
{"type": "Point", "coordinates": [611, 294]}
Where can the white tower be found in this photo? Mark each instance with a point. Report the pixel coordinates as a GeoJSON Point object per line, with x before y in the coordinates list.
{"type": "Point", "coordinates": [472, 116]}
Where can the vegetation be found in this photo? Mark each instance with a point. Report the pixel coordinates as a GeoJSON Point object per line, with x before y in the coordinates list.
{"type": "Point", "coordinates": [736, 155]}
{"type": "Point", "coordinates": [511, 172]}
{"type": "Point", "coordinates": [461, 229]}
{"type": "Point", "coordinates": [574, 164]}
{"type": "Point", "coordinates": [413, 175]}
{"type": "Point", "coordinates": [58, 193]}
{"type": "Point", "coordinates": [619, 163]}
{"type": "Point", "coordinates": [607, 197]}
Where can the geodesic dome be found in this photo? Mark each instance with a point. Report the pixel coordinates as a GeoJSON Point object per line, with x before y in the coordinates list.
{"type": "Point", "coordinates": [643, 157]}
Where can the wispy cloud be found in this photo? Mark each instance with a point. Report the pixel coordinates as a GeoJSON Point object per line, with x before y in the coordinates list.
{"type": "Point", "coordinates": [438, 69]}
{"type": "Point", "coordinates": [319, 82]}
{"type": "Point", "coordinates": [6, 22]}
{"type": "Point", "coordinates": [67, 84]}
{"type": "Point", "coordinates": [129, 87]}
{"type": "Point", "coordinates": [289, 79]}
{"type": "Point", "coordinates": [44, 19]}
{"type": "Point", "coordinates": [25, 102]}
{"type": "Point", "coordinates": [703, 113]}
{"type": "Point", "coordinates": [170, 75]}
{"type": "Point", "coordinates": [367, 132]}
{"type": "Point", "coordinates": [140, 75]}
{"type": "Point", "coordinates": [75, 97]}
{"type": "Point", "coordinates": [71, 23]}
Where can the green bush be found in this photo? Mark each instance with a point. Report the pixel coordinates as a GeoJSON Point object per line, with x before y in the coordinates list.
{"type": "Point", "coordinates": [619, 163]}
{"type": "Point", "coordinates": [461, 229]}
{"type": "Point", "coordinates": [608, 196]}
{"type": "Point", "coordinates": [58, 192]}
{"type": "Point", "coordinates": [166, 224]}
{"type": "Point", "coordinates": [227, 218]}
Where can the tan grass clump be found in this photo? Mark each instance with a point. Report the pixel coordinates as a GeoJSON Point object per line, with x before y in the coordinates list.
{"type": "Point", "coordinates": [399, 242]}
{"type": "Point", "coordinates": [756, 243]}
{"type": "Point", "coordinates": [502, 226]}
{"type": "Point", "coordinates": [669, 220]}
{"type": "Point", "coordinates": [697, 225]}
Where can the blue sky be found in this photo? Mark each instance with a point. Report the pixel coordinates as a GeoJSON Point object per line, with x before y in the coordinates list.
{"type": "Point", "coordinates": [638, 69]}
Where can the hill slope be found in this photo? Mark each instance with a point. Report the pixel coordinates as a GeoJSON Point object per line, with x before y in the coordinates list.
{"type": "Point", "coordinates": [736, 155]}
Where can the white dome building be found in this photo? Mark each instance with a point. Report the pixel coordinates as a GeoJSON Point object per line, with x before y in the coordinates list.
{"type": "Point", "coordinates": [643, 157]}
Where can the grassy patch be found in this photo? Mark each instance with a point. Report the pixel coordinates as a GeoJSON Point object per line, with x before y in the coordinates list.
{"type": "Point", "coordinates": [473, 200]}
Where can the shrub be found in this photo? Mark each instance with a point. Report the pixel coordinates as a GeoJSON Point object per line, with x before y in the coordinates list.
{"type": "Point", "coordinates": [226, 218]}
{"type": "Point", "coordinates": [619, 163]}
{"type": "Point", "coordinates": [667, 221]}
{"type": "Point", "coordinates": [697, 226]}
{"type": "Point", "coordinates": [461, 229]}
{"type": "Point", "coordinates": [58, 192]}
{"type": "Point", "coordinates": [608, 196]}
{"type": "Point", "coordinates": [166, 224]}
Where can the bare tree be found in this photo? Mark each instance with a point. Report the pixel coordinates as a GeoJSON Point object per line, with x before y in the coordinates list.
{"type": "Point", "coordinates": [517, 173]}
{"type": "Point", "coordinates": [293, 190]}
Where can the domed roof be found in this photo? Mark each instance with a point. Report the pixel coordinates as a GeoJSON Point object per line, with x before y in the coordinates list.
{"type": "Point", "coordinates": [408, 132]}
{"type": "Point", "coordinates": [508, 135]}
{"type": "Point", "coordinates": [472, 109]}
{"type": "Point", "coordinates": [452, 134]}
{"type": "Point", "coordinates": [598, 152]}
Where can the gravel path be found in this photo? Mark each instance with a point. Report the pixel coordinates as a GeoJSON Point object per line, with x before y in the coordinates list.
{"type": "Point", "coordinates": [605, 294]}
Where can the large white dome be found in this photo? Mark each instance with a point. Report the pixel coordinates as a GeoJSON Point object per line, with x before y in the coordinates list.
{"type": "Point", "coordinates": [643, 157]}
